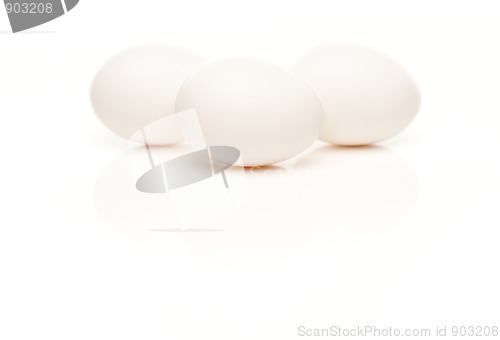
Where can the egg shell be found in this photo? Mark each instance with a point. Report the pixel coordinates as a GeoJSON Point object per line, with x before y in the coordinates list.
{"type": "Point", "coordinates": [139, 86]}
{"type": "Point", "coordinates": [367, 97]}
{"type": "Point", "coordinates": [263, 110]}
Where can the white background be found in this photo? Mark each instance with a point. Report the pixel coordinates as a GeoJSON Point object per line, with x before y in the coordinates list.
{"type": "Point", "coordinates": [402, 234]}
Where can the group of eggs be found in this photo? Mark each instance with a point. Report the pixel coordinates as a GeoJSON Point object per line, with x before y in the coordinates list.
{"type": "Point", "coordinates": [343, 94]}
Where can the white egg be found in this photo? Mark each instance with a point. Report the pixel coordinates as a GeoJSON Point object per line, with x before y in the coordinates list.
{"type": "Point", "coordinates": [367, 97]}
{"type": "Point", "coordinates": [139, 86]}
{"type": "Point", "coordinates": [265, 111]}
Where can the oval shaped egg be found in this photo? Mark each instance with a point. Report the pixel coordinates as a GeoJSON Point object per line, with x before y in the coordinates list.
{"type": "Point", "coordinates": [366, 96]}
{"type": "Point", "coordinates": [139, 86]}
{"type": "Point", "coordinates": [266, 112]}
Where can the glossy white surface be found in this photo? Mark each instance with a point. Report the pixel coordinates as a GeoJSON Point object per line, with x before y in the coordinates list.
{"type": "Point", "coordinates": [404, 234]}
